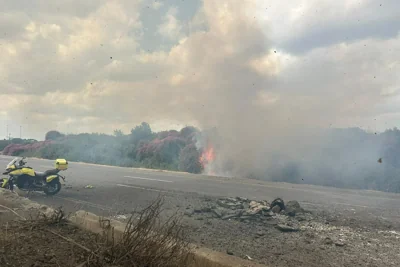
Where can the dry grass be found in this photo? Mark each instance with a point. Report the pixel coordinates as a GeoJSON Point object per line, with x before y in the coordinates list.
{"type": "Point", "coordinates": [146, 241]}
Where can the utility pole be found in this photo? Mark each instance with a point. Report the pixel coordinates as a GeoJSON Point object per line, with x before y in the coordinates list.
{"type": "Point", "coordinates": [20, 131]}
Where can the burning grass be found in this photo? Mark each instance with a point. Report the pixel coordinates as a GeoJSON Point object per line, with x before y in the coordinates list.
{"type": "Point", "coordinates": [52, 241]}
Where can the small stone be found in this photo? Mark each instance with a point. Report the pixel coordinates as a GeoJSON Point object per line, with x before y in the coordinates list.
{"type": "Point", "coordinates": [217, 213]}
{"type": "Point", "coordinates": [253, 203]}
{"type": "Point", "coordinates": [229, 252]}
{"type": "Point", "coordinates": [292, 208]}
{"type": "Point", "coordinates": [290, 212]}
{"type": "Point", "coordinates": [301, 218]}
{"type": "Point", "coordinates": [286, 228]}
{"type": "Point", "coordinates": [272, 222]}
{"type": "Point", "coordinates": [189, 213]}
{"type": "Point", "coordinates": [260, 233]}
{"type": "Point", "coordinates": [339, 244]}
{"type": "Point", "coordinates": [248, 257]}
{"type": "Point", "coordinates": [245, 218]}
{"type": "Point", "coordinates": [231, 199]}
{"type": "Point", "coordinates": [276, 209]}
{"type": "Point", "coordinates": [206, 209]}
{"type": "Point", "coordinates": [230, 216]}
{"type": "Point", "coordinates": [294, 204]}
{"type": "Point", "coordinates": [243, 199]}
{"type": "Point", "coordinates": [328, 241]}
{"type": "Point", "coordinates": [270, 213]}
{"type": "Point", "coordinates": [121, 217]}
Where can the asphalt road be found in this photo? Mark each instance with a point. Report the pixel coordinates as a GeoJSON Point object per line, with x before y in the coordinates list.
{"type": "Point", "coordinates": [117, 188]}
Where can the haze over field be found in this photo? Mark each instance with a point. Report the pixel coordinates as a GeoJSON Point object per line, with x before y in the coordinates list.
{"type": "Point", "coordinates": [269, 75]}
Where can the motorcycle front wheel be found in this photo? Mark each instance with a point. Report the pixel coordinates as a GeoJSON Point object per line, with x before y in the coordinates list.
{"type": "Point", "coordinates": [52, 188]}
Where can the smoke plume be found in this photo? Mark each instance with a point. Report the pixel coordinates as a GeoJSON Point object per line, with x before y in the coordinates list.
{"type": "Point", "coordinates": [264, 110]}
{"type": "Point", "coordinates": [268, 125]}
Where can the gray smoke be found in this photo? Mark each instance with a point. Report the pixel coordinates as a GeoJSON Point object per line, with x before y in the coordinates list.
{"type": "Point", "coordinates": [270, 108]}
{"type": "Point", "coordinates": [269, 126]}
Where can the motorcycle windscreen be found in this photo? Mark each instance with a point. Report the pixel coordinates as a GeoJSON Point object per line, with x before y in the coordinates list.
{"type": "Point", "coordinates": [9, 165]}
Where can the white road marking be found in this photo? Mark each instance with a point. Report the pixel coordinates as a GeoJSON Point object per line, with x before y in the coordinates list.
{"type": "Point", "coordinates": [149, 179]}
{"type": "Point", "coordinates": [143, 188]}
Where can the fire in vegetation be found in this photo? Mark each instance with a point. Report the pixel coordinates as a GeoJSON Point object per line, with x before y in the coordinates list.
{"type": "Point", "coordinates": [207, 158]}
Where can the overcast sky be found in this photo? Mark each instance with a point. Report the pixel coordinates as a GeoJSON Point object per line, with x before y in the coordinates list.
{"type": "Point", "coordinates": [99, 65]}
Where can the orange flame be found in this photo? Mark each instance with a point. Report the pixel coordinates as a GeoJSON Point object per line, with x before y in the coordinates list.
{"type": "Point", "coordinates": [207, 156]}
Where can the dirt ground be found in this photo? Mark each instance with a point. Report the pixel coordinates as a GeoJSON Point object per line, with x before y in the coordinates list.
{"type": "Point", "coordinates": [34, 242]}
{"type": "Point", "coordinates": [28, 244]}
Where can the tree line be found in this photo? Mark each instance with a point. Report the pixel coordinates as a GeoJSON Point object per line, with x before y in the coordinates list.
{"type": "Point", "coordinates": [169, 150]}
{"type": "Point", "coordinates": [348, 158]}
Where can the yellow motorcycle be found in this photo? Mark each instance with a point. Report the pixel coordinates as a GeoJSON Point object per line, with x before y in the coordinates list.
{"type": "Point", "coordinates": [27, 179]}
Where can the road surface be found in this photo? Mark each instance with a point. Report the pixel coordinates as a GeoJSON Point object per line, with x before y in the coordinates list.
{"type": "Point", "coordinates": [117, 188]}
{"type": "Point", "coordinates": [361, 215]}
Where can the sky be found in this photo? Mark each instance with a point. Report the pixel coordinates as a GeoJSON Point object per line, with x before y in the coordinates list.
{"type": "Point", "coordinates": [270, 67]}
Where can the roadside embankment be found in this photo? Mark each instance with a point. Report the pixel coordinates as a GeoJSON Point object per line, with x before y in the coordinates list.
{"type": "Point", "coordinates": [36, 235]}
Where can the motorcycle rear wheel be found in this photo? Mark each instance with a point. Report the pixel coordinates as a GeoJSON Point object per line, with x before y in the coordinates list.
{"type": "Point", "coordinates": [52, 188]}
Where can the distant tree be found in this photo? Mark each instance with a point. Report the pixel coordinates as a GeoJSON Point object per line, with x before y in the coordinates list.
{"type": "Point", "coordinates": [118, 133]}
{"type": "Point", "coordinates": [53, 135]}
{"type": "Point", "coordinates": [188, 131]}
{"type": "Point", "coordinates": [189, 160]}
{"type": "Point", "coordinates": [17, 141]}
{"type": "Point", "coordinates": [141, 132]}
{"type": "Point", "coordinates": [4, 143]}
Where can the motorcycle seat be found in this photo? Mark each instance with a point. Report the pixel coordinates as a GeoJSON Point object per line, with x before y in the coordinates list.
{"type": "Point", "coordinates": [46, 173]}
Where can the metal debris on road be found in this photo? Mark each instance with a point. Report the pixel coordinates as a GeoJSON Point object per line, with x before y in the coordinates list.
{"type": "Point", "coordinates": [247, 210]}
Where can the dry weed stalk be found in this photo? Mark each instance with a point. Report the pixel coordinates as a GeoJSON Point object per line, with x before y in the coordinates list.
{"type": "Point", "coordinates": [149, 241]}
